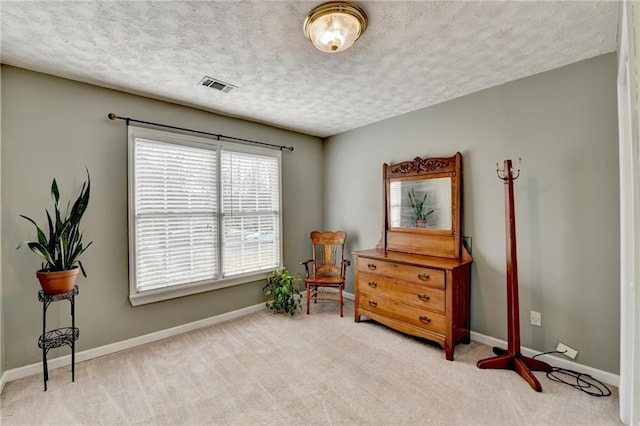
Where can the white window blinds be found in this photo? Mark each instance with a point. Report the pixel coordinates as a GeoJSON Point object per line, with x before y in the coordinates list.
{"type": "Point", "coordinates": [175, 214]}
{"type": "Point", "coordinates": [202, 214]}
{"type": "Point", "coordinates": [250, 212]}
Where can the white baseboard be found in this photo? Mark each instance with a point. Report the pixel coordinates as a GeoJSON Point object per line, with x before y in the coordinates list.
{"type": "Point", "coordinates": [603, 376]}
{"type": "Point", "coordinates": [2, 382]}
{"type": "Point", "coordinates": [28, 370]}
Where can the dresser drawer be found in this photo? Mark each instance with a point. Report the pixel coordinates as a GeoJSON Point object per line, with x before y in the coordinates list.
{"type": "Point", "coordinates": [415, 294]}
{"type": "Point", "coordinates": [409, 314]}
{"type": "Point", "coordinates": [431, 277]}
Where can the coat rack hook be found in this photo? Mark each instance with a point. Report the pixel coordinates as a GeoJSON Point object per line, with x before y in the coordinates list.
{"type": "Point", "coordinates": [515, 171]}
{"type": "Point", "coordinates": [500, 172]}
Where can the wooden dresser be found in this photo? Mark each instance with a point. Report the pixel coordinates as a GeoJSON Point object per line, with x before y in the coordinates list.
{"type": "Point", "coordinates": [417, 280]}
{"type": "Point", "coordinates": [424, 296]}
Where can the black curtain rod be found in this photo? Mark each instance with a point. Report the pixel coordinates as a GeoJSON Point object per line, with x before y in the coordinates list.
{"type": "Point", "coordinates": [113, 116]}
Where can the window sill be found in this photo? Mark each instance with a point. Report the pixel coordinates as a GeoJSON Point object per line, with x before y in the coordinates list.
{"type": "Point", "coordinates": [173, 292]}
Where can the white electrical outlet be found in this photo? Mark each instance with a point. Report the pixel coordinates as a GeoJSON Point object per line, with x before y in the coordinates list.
{"type": "Point", "coordinates": [567, 351]}
{"type": "Point", "coordinates": [535, 318]}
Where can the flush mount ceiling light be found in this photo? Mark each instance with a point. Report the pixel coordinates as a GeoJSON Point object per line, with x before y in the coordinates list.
{"type": "Point", "coordinates": [333, 27]}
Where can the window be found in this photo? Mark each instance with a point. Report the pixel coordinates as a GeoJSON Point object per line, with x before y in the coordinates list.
{"type": "Point", "coordinates": [203, 214]}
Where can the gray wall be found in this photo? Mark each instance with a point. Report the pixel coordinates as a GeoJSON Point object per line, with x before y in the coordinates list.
{"type": "Point", "coordinates": [563, 123]}
{"type": "Point", "coordinates": [54, 127]}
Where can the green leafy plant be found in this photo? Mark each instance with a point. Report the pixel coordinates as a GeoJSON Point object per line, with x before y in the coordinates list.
{"type": "Point", "coordinates": [63, 246]}
{"type": "Point", "coordinates": [419, 205]}
{"type": "Point", "coordinates": [283, 295]}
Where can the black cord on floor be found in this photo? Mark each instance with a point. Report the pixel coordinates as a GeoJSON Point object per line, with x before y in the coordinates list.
{"type": "Point", "coordinates": [580, 381]}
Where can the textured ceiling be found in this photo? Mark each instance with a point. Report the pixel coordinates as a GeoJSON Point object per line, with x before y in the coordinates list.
{"type": "Point", "coordinates": [412, 55]}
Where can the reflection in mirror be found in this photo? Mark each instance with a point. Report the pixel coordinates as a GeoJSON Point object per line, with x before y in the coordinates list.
{"type": "Point", "coordinates": [424, 203]}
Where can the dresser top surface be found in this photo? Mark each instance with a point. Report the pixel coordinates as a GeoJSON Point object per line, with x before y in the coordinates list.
{"type": "Point", "coordinates": [412, 259]}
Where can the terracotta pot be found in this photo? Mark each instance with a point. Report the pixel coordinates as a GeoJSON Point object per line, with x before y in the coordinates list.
{"type": "Point", "coordinates": [421, 223]}
{"type": "Point", "coordinates": [58, 281]}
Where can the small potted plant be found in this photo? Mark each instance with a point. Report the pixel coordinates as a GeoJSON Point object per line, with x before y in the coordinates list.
{"type": "Point", "coordinates": [283, 295]}
{"type": "Point", "coordinates": [419, 208]}
{"type": "Point", "coordinates": [62, 248]}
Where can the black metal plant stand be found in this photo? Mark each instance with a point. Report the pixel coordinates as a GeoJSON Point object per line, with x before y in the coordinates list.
{"type": "Point", "coordinates": [60, 336]}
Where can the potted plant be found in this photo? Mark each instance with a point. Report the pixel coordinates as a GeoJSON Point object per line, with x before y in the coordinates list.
{"type": "Point", "coordinates": [419, 208]}
{"type": "Point", "coordinates": [63, 246]}
{"type": "Point", "coordinates": [282, 293]}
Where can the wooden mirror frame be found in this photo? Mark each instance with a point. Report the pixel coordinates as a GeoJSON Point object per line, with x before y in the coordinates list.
{"type": "Point", "coordinates": [434, 242]}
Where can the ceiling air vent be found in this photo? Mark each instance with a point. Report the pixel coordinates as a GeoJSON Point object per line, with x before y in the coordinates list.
{"type": "Point", "coordinates": [216, 84]}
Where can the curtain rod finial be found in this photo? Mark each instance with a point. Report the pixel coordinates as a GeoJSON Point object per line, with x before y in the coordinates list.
{"type": "Point", "coordinates": [112, 116]}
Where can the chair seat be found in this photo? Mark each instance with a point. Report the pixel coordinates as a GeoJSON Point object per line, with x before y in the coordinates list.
{"type": "Point", "coordinates": [328, 280]}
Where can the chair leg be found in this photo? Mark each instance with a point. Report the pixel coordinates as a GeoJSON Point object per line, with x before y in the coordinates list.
{"type": "Point", "coordinates": [308, 296]}
{"type": "Point", "coordinates": [341, 302]}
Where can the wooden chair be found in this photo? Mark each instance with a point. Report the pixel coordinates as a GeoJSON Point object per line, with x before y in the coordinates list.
{"type": "Point", "coordinates": [324, 276]}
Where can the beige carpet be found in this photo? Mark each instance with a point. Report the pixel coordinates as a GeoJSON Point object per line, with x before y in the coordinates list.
{"type": "Point", "coordinates": [316, 369]}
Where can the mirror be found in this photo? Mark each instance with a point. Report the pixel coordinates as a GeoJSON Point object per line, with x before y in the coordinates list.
{"type": "Point", "coordinates": [422, 203]}
{"type": "Point", "coordinates": [422, 206]}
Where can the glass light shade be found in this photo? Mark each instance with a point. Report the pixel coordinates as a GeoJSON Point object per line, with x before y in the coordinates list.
{"type": "Point", "coordinates": [335, 32]}
{"type": "Point", "coordinates": [333, 27]}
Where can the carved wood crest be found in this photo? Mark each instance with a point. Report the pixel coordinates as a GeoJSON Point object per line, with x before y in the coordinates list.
{"type": "Point", "coordinates": [419, 165]}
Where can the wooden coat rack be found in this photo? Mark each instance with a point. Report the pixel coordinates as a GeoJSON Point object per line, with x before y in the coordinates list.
{"type": "Point", "coordinates": [511, 358]}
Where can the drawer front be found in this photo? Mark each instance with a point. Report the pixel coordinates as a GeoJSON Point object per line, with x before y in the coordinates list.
{"type": "Point", "coordinates": [415, 294]}
{"type": "Point", "coordinates": [409, 314]}
{"type": "Point", "coordinates": [427, 276]}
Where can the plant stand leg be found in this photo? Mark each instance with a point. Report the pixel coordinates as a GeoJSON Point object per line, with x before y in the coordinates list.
{"type": "Point", "coordinates": [73, 340]}
{"type": "Point", "coordinates": [45, 368]}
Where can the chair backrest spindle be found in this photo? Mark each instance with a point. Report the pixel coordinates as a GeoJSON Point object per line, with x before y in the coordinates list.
{"type": "Point", "coordinates": [328, 252]}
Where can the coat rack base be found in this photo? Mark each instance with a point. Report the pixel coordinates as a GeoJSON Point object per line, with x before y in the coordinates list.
{"type": "Point", "coordinates": [524, 366]}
